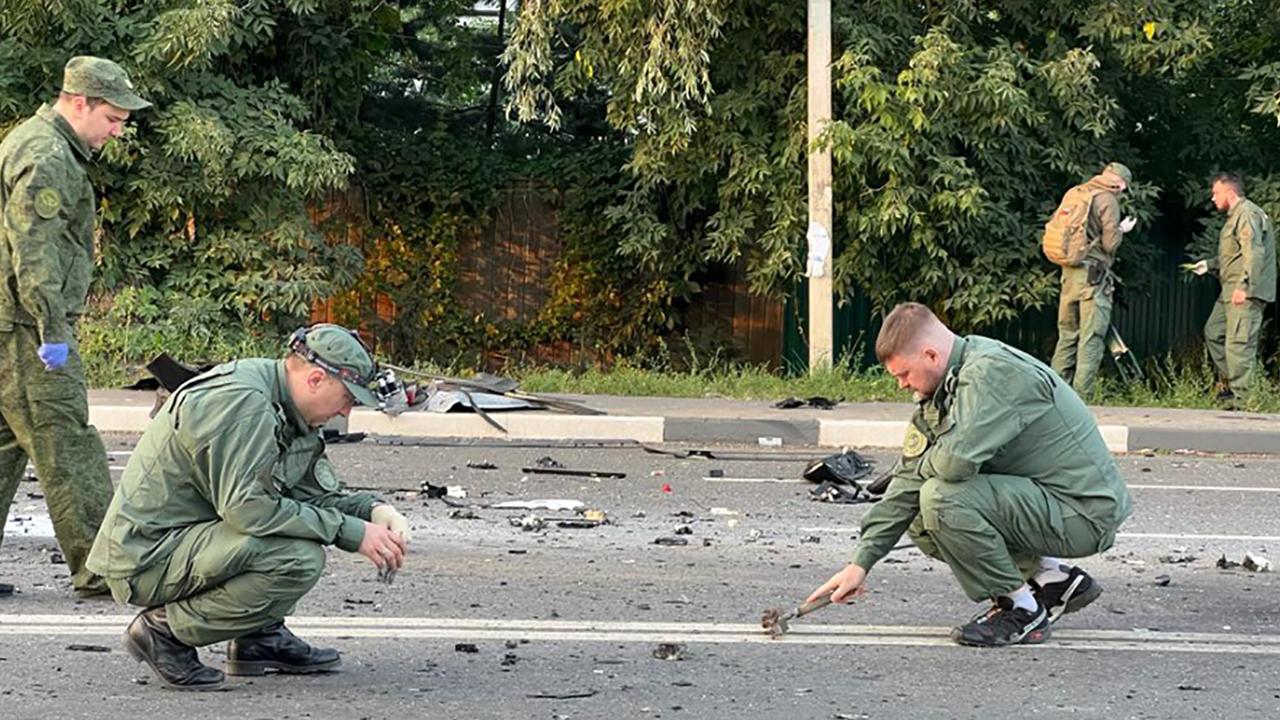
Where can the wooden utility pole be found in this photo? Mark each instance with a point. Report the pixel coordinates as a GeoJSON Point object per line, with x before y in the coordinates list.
{"type": "Point", "coordinates": [818, 265]}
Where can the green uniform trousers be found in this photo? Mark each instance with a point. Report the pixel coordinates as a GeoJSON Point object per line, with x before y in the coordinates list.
{"type": "Point", "coordinates": [1084, 314]}
{"type": "Point", "coordinates": [1231, 335]}
{"type": "Point", "coordinates": [992, 531]}
{"type": "Point", "coordinates": [220, 584]}
{"type": "Point", "coordinates": [44, 416]}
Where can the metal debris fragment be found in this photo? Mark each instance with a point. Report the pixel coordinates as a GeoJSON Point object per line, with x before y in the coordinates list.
{"type": "Point", "coordinates": [670, 651]}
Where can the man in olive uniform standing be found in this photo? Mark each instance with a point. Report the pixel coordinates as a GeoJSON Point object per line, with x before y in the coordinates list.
{"type": "Point", "coordinates": [221, 519]}
{"type": "Point", "coordinates": [46, 259]}
{"type": "Point", "coordinates": [1003, 472]}
{"type": "Point", "coordinates": [1084, 307]}
{"type": "Point", "coordinates": [1246, 265]}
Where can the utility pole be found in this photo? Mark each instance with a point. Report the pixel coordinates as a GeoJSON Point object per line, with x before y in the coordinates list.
{"type": "Point", "coordinates": [818, 265]}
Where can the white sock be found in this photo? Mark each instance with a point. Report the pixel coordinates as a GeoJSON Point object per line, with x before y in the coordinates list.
{"type": "Point", "coordinates": [1051, 570]}
{"type": "Point", "coordinates": [1023, 598]}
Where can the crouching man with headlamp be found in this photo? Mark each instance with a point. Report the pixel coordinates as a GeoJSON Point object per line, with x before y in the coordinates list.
{"type": "Point", "coordinates": [220, 521]}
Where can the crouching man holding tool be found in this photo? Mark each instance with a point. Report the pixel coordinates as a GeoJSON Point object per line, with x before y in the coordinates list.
{"type": "Point", "coordinates": [1003, 472]}
{"type": "Point", "coordinates": [220, 522]}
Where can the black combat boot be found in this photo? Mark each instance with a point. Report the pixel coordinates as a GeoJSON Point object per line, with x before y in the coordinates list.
{"type": "Point", "coordinates": [275, 648]}
{"type": "Point", "coordinates": [177, 664]}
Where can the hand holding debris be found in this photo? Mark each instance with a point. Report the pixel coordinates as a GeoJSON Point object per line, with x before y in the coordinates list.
{"type": "Point", "coordinates": [386, 549]}
{"type": "Point", "coordinates": [776, 623]}
{"type": "Point", "coordinates": [843, 586]}
{"type": "Point", "coordinates": [391, 519]}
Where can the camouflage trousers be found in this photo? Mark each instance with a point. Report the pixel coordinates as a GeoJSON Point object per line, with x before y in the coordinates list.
{"type": "Point", "coordinates": [220, 584]}
{"type": "Point", "coordinates": [993, 529]}
{"type": "Point", "coordinates": [1084, 314]}
{"type": "Point", "coordinates": [44, 417]}
{"type": "Point", "coordinates": [1231, 336]}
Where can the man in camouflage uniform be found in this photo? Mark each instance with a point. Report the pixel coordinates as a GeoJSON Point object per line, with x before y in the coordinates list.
{"type": "Point", "coordinates": [1246, 265]}
{"type": "Point", "coordinates": [1084, 307]}
{"type": "Point", "coordinates": [224, 511]}
{"type": "Point", "coordinates": [46, 259]}
{"type": "Point", "coordinates": [1003, 472]}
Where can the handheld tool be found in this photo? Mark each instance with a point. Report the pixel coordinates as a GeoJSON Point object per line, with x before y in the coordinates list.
{"type": "Point", "coordinates": [775, 622]}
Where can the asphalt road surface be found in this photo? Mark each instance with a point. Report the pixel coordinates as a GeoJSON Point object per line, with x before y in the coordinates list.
{"type": "Point", "coordinates": [489, 620]}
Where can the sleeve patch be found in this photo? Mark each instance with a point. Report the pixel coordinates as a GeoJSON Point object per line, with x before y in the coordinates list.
{"type": "Point", "coordinates": [48, 202]}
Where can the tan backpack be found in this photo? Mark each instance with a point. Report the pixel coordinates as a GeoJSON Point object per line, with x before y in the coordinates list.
{"type": "Point", "coordinates": [1066, 235]}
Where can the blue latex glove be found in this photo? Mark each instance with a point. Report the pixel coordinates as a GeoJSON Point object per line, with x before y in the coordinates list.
{"type": "Point", "coordinates": [53, 355]}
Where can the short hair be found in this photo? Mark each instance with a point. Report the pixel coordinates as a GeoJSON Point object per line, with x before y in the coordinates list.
{"type": "Point", "coordinates": [1232, 179]}
{"type": "Point", "coordinates": [92, 102]}
{"type": "Point", "coordinates": [901, 327]}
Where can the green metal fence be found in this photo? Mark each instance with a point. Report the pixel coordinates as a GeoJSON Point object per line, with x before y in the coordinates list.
{"type": "Point", "coordinates": [1165, 316]}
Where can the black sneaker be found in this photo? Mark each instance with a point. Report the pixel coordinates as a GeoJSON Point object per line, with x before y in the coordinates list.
{"type": "Point", "coordinates": [1004, 624]}
{"type": "Point", "coordinates": [1066, 596]}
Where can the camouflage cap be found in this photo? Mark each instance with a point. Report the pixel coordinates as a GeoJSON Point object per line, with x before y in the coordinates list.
{"type": "Point", "coordinates": [1119, 171]}
{"type": "Point", "coordinates": [97, 77]}
{"type": "Point", "coordinates": [342, 349]}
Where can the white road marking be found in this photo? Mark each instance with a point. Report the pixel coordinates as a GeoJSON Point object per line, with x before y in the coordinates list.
{"type": "Point", "coordinates": [423, 628]}
{"type": "Point", "coordinates": [1131, 536]}
{"type": "Point", "coordinates": [1205, 488]}
{"type": "Point", "coordinates": [1210, 488]}
{"type": "Point", "coordinates": [1188, 536]}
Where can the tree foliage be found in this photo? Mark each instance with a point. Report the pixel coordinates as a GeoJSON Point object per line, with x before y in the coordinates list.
{"type": "Point", "coordinates": [956, 128]}
{"type": "Point", "coordinates": [206, 197]}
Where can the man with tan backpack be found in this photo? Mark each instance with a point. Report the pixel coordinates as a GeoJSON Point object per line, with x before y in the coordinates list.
{"type": "Point", "coordinates": [1082, 237]}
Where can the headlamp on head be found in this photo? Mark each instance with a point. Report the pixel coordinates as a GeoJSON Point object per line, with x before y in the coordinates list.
{"type": "Point", "coordinates": [386, 389]}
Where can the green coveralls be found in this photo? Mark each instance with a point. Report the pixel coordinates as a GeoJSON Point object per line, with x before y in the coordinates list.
{"type": "Point", "coordinates": [1246, 260]}
{"type": "Point", "coordinates": [225, 507]}
{"type": "Point", "coordinates": [46, 261]}
{"type": "Point", "coordinates": [1084, 308]}
{"type": "Point", "coordinates": [1003, 465]}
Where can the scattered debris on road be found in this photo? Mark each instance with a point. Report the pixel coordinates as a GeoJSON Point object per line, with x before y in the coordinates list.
{"type": "Point", "coordinates": [433, 492]}
{"type": "Point", "coordinates": [469, 648]}
{"type": "Point", "coordinates": [1163, 580]}
{"type": "Point", "coordinates": [572, 472]}
{"type": "Point", "coordinates": [1256, 563]}
{"type": "Point", "coordinates": [578, 695]}
{"type": "Point", "coordinates": [817, 402]}
{"type": "Point", "coordinates": [671, 541]}
{"type": "Point", "coordinates": [555, 505]}
{"type": "Point", "coordinates": [776, 623]}
{"type": "Point", "coordinates": [1251, 562]}
{"type": "Point", "coordinates": [78, 647]}
{"type": "Point", "coordinates": [839, 494]}
{"type": "Point", "coordinates": [670, 651]}
{"type": "Point", "coordinates": [1179, 556]}
{"type": "Point", "coordinates": [481, 465]}
{"type": "Point", "coordinates": [464, 513]}
{"type": "Point", "coordinates": [843, 468]}
{"type": "Point", "coordinates": [527, 522]}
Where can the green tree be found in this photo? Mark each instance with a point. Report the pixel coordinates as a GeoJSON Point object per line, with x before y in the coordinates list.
{"type": "Point", "coordinates": [206, 198]}
{"type": "Point", "coordinates": [957, 126]}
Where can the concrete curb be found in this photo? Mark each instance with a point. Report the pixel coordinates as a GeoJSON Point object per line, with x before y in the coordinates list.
{"type": "Point", "coordinates": [654, 429]}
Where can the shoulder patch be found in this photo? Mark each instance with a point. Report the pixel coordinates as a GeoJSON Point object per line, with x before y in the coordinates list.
{"type": "Point", "coordinates": [915, 443]}
{"type": "Point", "coordinates": [48, 202]}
